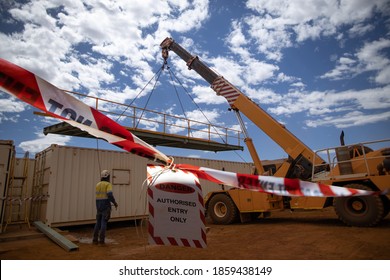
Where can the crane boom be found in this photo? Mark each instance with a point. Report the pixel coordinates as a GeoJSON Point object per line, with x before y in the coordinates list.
{"type": "Point", "coordinates": [301, 157]}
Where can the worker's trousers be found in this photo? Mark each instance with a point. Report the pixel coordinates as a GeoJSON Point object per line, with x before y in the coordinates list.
{"type": "Point", "coordinates": [102, 217]}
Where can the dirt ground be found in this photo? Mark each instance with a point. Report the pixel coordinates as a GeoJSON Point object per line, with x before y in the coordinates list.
{"type": "Point", "coordinates": [308, 235]}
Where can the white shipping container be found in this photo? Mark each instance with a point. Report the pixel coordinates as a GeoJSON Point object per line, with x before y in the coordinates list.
{"type": "Point", "coordinates": [68, 175]}
{"type": "Point", "coordinates": [16, 176]}
{"type": "Point", "coordinates": [19, 191]}
{"type": "Point", "coordinates": [6, 152]}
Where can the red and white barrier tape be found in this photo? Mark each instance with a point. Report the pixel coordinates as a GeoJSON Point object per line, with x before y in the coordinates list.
{"type": "Point", "coordinates": [273, 185]}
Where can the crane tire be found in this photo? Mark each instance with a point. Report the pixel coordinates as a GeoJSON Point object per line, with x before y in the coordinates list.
{"type": "Point", "coordinates": [386, 205]}
{"type": "Point", "coordinates": [222, 209]}
{"type": "Point", "coordinates": [359, 211]}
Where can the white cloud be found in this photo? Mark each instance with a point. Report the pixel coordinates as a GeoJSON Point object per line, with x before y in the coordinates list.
{"type": "Point", "coordinates": [337, 108]}
{"type": "Point", "coordinates": [9, 109]}
{"type": "Point", "coordinates": [76, 44]}
{"type": "Point", "coordinates": [355, 118]}
{"type": "Point", "coordinates": [298, 85]}
{"type": "Point", "coordinates": [360, 29]}
{"type": "Point", "coordinates": [281, 77]}
{"type": "Point", "coordinates": [345, 68]}
{"type": "Point", "coordinates": [370, 58]}
{"type": "Point", "coordinates": [11, 105]}
{"type": "Point", "coordinates": [280, 24]}
{"type": "Point", "coordinates": [185, 16]}
{"type": "Point", "coordinates": [371, 54]}
{"type": "Point", "coordinates": [269, 39]}
{"type": "Point", "coordinates": [262, 95]}
{"type": "Point", "coordinates": [42, 142]}
{"type": "Point", "coordinates": [206, 95]}
{"type": "Point", "coordinates": [205, 116]}
{"type": "Point", "coordinates": [374, 98]}
{"type": "Point", "coordinates": [250, 71]}
{"type": "Point", "coordinates": [258, 71]}
{"type": "Point", "coordinates": [236, 37]}
{"type": "Point", "coordinates": [229, 69]}
{"type": "Point", "coordinates": [383, 76]}
{"type": "Point", "coordinates": [6, 118]}
{"type": "Point", "coordinates": [54, 31]}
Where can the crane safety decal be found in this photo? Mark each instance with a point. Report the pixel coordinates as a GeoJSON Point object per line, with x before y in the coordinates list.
{"type": "Point", "coordinates": [224, 88]}
{"type": "Point", "coordinates": [55, 102]}
{"type": "Point", "coordinates": [176, 209]}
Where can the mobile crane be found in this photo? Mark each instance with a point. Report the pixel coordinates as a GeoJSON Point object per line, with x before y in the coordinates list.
{"type": "Point", "coordinates": [353, 166]}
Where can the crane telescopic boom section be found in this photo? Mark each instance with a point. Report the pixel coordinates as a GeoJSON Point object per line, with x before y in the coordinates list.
{"type": "Point", "coordinates": [300, 162]}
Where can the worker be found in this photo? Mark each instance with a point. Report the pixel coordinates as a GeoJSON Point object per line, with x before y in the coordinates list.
{"type": "Point", "coordinates": [104, 197]}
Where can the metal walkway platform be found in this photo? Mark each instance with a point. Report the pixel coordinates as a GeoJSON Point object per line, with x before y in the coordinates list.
{"type": "Point", "coordinates": [156, 128]}
{"type": "Point", "coordinates": [152, 138]}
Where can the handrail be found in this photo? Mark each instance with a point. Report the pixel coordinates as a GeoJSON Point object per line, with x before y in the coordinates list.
{"type": "Point", "coordinates": [163, 123]}
{"type": "Point", "coordinates": [333, 161]}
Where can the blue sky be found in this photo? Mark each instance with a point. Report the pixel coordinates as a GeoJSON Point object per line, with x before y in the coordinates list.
{"type": "Point", "coordinates": [317, 66]}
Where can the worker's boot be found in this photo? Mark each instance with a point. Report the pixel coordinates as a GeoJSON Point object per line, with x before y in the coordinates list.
{"type": "Point", "coordinates": [102, 238]}
{"type": "Point", "coordinates": [95, 239]}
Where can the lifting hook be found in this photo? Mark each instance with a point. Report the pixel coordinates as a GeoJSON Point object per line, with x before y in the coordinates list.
{"type": "Point", "coordinates": [165, 54]}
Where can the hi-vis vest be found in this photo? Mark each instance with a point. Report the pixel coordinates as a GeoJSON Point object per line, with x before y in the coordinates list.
{"type": "Point", "coordinates": [102, 188]}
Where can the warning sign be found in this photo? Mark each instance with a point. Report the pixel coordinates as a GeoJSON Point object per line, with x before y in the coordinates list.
{"type": "Point", "coordinates": [176, 209]}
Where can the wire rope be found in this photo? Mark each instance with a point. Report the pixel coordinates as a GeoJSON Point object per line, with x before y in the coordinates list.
{"type": "Point", "coordinates": [158, 72]}
{"type": "Point", "coordinates": [149, 97]}
{"type": "Point", "coordinates": [204, 115]}
{"type": "Point", "coordinates": [178, 97]}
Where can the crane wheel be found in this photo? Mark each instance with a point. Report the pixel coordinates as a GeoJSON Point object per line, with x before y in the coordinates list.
{"type": "Point", "coordinates": [359, 211]}
{"type": "Point", "coordinates": [386, 205]}
{"type": "Point", "coordinates": [222, 209]}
